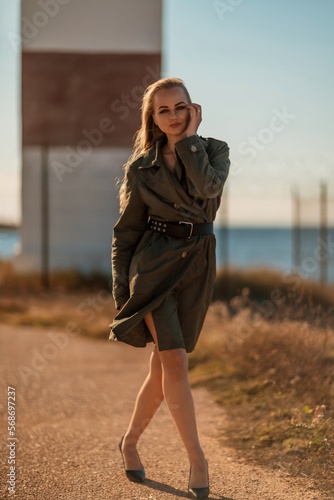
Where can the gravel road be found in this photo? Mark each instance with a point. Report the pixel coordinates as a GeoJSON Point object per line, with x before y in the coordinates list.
{"type": "Point", "coordinates": [74, 397]}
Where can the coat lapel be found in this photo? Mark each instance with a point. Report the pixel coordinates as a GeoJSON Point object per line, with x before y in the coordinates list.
{"type": "Point", "coordinates": [166, 184]}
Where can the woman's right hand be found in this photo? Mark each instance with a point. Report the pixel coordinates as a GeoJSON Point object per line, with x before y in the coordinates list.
{"type": "Point", "coordinates": [195, 119]}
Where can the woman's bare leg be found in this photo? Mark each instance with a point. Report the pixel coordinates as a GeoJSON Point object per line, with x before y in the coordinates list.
{"type": "Point", "coordinates": [178, 396]}
{"type": "Point", "coordinates": [148, 401]}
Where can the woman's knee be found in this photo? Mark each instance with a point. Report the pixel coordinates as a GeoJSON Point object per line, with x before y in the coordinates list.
{"type": "Point", "coordinates": [174, 362]}
{"type": "Point", "coordinates": [155, 363]}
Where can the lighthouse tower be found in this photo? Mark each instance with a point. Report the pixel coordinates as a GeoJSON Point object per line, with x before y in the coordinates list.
{"type": "Point", "coordinates": [85, 65]}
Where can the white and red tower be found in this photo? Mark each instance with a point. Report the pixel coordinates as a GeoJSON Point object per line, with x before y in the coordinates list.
{"type": "Point", "coordinates": [85, 65]}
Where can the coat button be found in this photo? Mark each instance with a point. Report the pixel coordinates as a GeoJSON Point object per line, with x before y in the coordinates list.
{"type": "Point", "coordinates": [183, 255]}
{"type": "Point", "coordinates": [193, 148]}
{"type": "Point", "coordinates": [176, 206]}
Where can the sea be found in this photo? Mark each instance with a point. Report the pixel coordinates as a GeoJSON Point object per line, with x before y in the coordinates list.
{"type": "Point", "coordinates": [244, 247]}
{"type": "Point", "coordinates": [9, 243]}
{"type": "Point", "coordinates": [284, 249]}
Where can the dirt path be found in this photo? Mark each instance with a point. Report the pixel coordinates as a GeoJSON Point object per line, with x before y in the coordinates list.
{"type": "Point", "coordinates": [74, 397]}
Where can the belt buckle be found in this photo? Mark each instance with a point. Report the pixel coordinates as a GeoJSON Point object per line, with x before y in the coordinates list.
{"type": "Point", "coordinates": [191, 227]}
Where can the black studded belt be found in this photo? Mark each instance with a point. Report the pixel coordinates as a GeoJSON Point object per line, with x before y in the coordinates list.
{"type": "Point", "coordinates": [181, 229]}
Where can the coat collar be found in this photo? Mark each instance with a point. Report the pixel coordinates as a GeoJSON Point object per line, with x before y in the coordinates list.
{"type": "Point", "coordinates": [153, 156]}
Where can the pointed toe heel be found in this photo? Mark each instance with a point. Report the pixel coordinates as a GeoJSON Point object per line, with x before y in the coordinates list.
{"type": "Point", "coordinates": [200, 493]}
{"type": "Point", "coordinates": [135, 476]}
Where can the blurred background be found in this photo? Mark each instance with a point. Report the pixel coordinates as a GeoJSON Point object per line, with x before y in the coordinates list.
{"type": "Point", "coordinates": [73, 72]}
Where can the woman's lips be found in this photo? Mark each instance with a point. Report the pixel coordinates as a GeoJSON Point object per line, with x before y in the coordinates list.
{"type": "Point", "coordinates": [175, 125]}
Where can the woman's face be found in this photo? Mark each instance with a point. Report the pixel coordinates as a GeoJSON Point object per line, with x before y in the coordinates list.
{"type": "Point", "coordinates": [170, 113]}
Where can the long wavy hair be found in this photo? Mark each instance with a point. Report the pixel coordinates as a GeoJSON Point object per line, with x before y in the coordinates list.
{"type": "Point", "coordinates": [149, 133]}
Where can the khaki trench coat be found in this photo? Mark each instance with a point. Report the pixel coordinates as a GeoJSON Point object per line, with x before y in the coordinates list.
{"type": "Point", "coordinates": [171, 277]}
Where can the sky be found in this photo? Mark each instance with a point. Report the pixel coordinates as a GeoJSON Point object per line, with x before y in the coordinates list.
{"type": "Point", "coordinates": [10, 139]}
{"type": "Point", "coordinates": [250, 62]}
{"type": "Point", "coordinates": [263, 71]}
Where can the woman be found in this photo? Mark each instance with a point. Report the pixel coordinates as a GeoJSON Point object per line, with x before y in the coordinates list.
{"type": "Point", "coordinates": [163, 261]}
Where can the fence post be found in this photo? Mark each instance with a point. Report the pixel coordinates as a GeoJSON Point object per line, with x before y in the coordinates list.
{"type": "Point", "coordinates": [45, 218]}
{"type": "Point", "coordinates": [323, 235]}
{"type": "Point", "coordinates": [296, 239]}
{"type": "Point", "coordinates": [224, 230]}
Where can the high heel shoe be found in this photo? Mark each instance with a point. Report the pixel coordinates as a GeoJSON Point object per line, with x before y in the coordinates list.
{"type": "Point", "coordinates": [136, 476]}
{"type": "Point", "coordinates": [199, 493]}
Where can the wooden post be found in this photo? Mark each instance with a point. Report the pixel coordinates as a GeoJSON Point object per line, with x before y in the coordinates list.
{"type": "Point", "coordinates": [45, 219]}
{"type": "Point", "coordinates": [296, 230]}
{"type": "Point", "coordinates": [323, 235]}
{"type": "Point", "coordinates": [224, 229]}
{"type": "Point", "coordinates": [225, 242]}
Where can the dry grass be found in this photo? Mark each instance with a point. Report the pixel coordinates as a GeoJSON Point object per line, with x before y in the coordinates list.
{"type": "Point", "coordinates": [276, 296]}
{"type": "Point", "coordinates": [60, 281]}
{"type": "Point", "coordinates": [275, 380]}
{"type": "Point", "coordinates": [71, 300]}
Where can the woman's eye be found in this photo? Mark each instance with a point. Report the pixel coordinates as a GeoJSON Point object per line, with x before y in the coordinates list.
{"type": "Point", "coordinates": [179, 108]}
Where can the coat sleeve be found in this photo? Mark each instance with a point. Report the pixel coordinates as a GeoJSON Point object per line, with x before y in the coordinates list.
{"type": "Point", "coordinates": [206, 170]}
{"type": "Point", "coordinates": [126, 235]}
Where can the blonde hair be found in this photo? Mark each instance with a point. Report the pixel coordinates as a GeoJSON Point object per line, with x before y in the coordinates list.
{"type": "Point", "coordinates": [149, 133]}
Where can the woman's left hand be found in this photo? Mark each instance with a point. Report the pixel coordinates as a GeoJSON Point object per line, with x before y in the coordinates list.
{"type": "Point", "coordinates": [195, 119]}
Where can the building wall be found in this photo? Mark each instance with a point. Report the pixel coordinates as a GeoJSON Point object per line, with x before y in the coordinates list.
{"type": "Point", "coordinates": [85, 66]}
{"type": "Point", "coordinates": [86, 26]}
